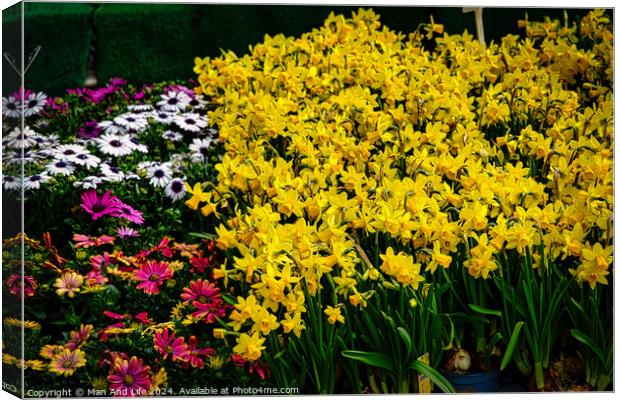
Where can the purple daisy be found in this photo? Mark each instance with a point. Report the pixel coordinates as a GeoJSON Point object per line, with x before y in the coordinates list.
{"type": "Point", "coordinates": [90, 130]}
{"type": "Point", "coordinates": [129, 213]}
{"type": "Point", "coordinates": [125, 232]}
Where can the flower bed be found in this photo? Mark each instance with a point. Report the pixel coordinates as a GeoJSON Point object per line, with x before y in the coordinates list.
{"type": "Point", "coordinates": [364, 211]}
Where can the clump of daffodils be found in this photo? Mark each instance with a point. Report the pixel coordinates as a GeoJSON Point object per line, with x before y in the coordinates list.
{"type": "Point", "coordinates": [354, 141]}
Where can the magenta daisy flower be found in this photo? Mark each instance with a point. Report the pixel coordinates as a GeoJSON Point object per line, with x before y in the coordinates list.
{"type": "Point", "coordinates": [129, 213]}
{"type": "Point", "coordinates": [196, 355]}
{"type": "Point", "coordinates": [129, 378]}
{"type": "Point", "coordinates": [208, 312]}
{"type": "Point", "coordinates": [125, 232]}
{"type": "Point", "coordinates": [201, 292]}
{"type": "Point", "coordinates": [170, 345]}
{"type": "Point", "coordinates": [14, 282]}
{"type": "Point", "coordinates": [152, 275]}
{"type": "Point", "coordinates": [97, 206]}
{"type": "Point", "coordinates": [89, 130]}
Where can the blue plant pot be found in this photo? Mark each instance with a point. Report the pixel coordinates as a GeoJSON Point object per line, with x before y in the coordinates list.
{"type": "Point", "coordinates": [480, 382]}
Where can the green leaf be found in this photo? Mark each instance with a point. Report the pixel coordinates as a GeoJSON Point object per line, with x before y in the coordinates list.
{"type": "Point", "coordinates": [511, 344]}
{"type": "Point", "coordinates": [580, 336]}
{"type": "Point", "coordinates": [406, 338]}
{"type": "Point", "coordinates": [484, 310]}
{"type": "Point", "coordinates": [373, 359]}
{"type": "Point", "coordinates": [438, 379]}
{"type": "Point", "coordinates": [229, 299]}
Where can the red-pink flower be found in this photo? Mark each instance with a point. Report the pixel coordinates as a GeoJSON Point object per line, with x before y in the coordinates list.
{"type": "Point", "coordinates": [200, 291]}
{"type": "Point", "coordinates": [97, 206]}
{"type": "Point", "coordinates": [200, 263]}
{"type": "Point", "coordinates": [89, 241]}
{"type": "Point", "coordinates": [14, 282]}
{"type": "Point", "coordinates": [208, 312]}
{"type": "Point", "coordinates": [195, 356]}
{"type": "Point", "coordinates": [164, 247]}
{"type": "Point", "coordinates": [152, 275]}
{"type": "Point", "coordinates": [129, 378]}
{"type": "Point", "coordinates": [238, 360]}
{"type": "Point", "coordinates": [261, 368]}
{"type": "Point", "coordinates": [170, 345]}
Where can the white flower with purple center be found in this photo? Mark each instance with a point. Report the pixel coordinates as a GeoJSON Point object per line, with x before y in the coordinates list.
{"type": "Point", "coordinates": [115, 145]}
{"type": "Point", "coordinates": [17, 139]}
{"type": "Point", "coordinates": [60, 167]}
{"type": "Point", "coordinates": [132, 122]}
{"type": "Point", "coordinates": [34, 182]}
{"type": "Point", "coordinates": [175, 189]}
{"type": "Point", "coordinates": [11, 107]}
{"type": "Point", "coordinates": [11, 182]}
{"type": "Point", "coordinates": [191, 122]}
{"type": "Point", "coordinates": [140, 108]}
{"type": "Point", "coordinates": [172, 136]}
{"type": "Point", "coordinates": [159, 175]}
{"type": "Point", "coordinates": [111, 127]}
{"type": "Point", "coordinates": [198, 102]}
{"type": "Point", "coordinates": [68, 152]}
{"type": "Point", "coordinates": [111, 173]}
{"type": "Point", "coordinates": [200, 149]}
{"type": "Point", "coordinates": [163, 117]}
{"type": "Point", "coordinates": [138, 146]}
{"type": "Point", "coordinates": [90, 182]}
{"type": "Point", "coordinates": [87, 160]}
{"type": "Point", "coordinates": [34, 104]}
{"type": "Point", "coordinates": [174, 101]}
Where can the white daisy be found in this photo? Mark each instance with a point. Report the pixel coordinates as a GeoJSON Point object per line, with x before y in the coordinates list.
{"type": "Point", "coordinates": [172, 136]}
{"type": "Point", "coordinates": [111, 173]}
{"type": "Point", "coordinates": [175, 189]}
{"type": "Point", "coordinates": [174, 101]}
{"type": "Point", "coordinates": [60, 167]}
{"type": "Point", "coordinates": [197, 103]}
{"type": "Point", "coordinates": [140, 108]}
{"type": "Point", "coordinates": [138, 146]}
{"type": "Point", "coordinates": [87, 160]}
{"type": "Point", "coordinates": [17, 139]}
{"type": "Point", "coordinates": [163, 117]}
{"type": "Point", "coordinates": [11, 183]}
{"type": "Point", "coordinates": [159, 175]}
{"type": "Point", "coordinates": [34, 104]}
{"type": "Point", "coordinates": [11, 107]}
{"type": "Point", "coordinates": [114, 145]}
{"type": "Point", "coordinates": [132, 122]}
{"type": "Point", "coordinates": [191, 122]}
{"type": "Point", "coordinates": [19, 156]}
{"type": "Point", "coordinates": [34, 182]}
{"type": "Point", "coordinates": [90, 182]}
{"type": "Point", "coordinates": [200, 149]}
{"type": "Point", "coordinates": [67, 152]}
{"type": "Point", "coordinates": [111, 127]}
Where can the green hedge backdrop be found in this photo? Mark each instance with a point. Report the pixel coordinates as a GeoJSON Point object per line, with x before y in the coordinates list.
{"type": "Point", "coordinates": [152, 42]}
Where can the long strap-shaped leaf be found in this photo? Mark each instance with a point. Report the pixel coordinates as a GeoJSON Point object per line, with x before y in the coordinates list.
{"type": "Point", "coordinates": [438, 379]}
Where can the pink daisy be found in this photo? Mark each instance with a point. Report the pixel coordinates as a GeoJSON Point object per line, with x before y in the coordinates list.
{"type": "Point", "coordinates": [208, 312]}
{"type": "Point", "coordinates": [195, 356]}
{"type": "Point", "coordinates": [97, 206]}
{"type": "Point", "coordinates": [200, 291]}
{"type": "Point", "coordinates": [152, 275]}
{"type": "Point", "coordinates": [168, 345]}
{"type": "Point", "coordinates": [129, 378]}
